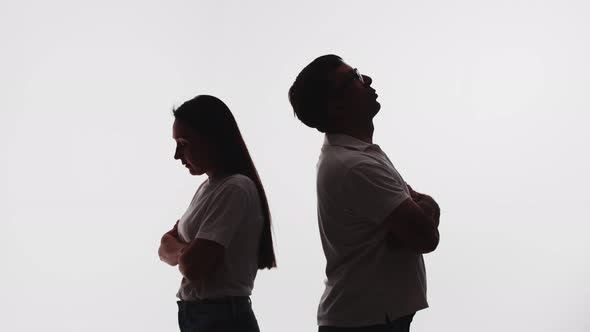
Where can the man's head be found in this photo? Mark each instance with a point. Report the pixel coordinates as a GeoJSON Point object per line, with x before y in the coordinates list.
{"type": "Point", "coordinates": [329, 95]}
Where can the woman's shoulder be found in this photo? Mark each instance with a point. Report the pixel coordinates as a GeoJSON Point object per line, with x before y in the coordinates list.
{"type": "Point", "coordinates": [241, 181]}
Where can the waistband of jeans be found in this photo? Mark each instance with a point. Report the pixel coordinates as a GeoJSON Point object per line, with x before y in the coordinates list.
{"type": "Point", "coordinates": [235, 300]}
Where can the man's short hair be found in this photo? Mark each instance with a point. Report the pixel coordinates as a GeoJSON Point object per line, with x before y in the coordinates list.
{"type": "Point", "coordinates": [310, 92]}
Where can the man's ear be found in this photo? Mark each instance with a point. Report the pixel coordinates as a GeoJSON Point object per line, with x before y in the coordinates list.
{"type": "Point", "coordinates": [334, 109]}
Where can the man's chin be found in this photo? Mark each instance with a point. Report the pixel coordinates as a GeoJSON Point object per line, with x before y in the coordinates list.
{"type": "Point", "coordinates": [376, 108]}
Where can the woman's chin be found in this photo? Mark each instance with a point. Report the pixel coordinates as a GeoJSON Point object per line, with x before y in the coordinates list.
{"type": "Point", "coordinates": [195, 172]}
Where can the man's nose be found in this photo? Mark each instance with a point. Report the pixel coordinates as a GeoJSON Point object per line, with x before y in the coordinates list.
{"type": "Point", "coordinates": [368, 80]}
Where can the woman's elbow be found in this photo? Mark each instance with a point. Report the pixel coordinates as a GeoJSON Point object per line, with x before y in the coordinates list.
{"type": "Point", "coordinates": [161, 253]}
{"type": "Point", "coordinates": [190, 274]}
{"type": "Point", "coordinates": [189, 270]}
{"type": "Point", "coordinates": [166, 258]}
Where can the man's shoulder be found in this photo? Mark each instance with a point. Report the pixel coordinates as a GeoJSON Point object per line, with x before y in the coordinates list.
{"type": "Point", "coordinates": [345, 161]}
{"type": "Point", "coordinates": [336, 166]}
{"type": "Point", "coordinates": [343, 158]}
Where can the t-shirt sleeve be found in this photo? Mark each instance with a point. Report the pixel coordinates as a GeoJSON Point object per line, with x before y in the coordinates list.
{"type": "Point", "coordinates": [373, 191]}
{"type": "Point", "coordinates": [225, 214]}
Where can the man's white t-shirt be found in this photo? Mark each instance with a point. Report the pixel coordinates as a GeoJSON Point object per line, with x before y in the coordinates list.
{"type": "Point", "coordinates": [227, 211]}
{"type": "Point", "coordinates": [368, 280]}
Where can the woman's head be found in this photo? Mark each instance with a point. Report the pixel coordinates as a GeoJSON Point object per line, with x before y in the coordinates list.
{"type": "Point", "coordinates": [208, 140]}
{"type": "Point", "coordinates": [207, 136]}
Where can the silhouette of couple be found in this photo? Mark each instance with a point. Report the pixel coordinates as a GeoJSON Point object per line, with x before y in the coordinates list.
{"type": "Point", "coordinates": [373, 226]}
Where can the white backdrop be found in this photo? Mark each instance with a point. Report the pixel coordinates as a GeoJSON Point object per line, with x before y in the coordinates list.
{"type": "Point", "coordinates": [485, 106]}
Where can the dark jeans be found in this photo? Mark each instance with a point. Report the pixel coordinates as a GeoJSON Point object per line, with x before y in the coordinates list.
{"type": "Point", "coordinates": [228, 314]}
{"type": "Point", "coordinates": [401, 324]}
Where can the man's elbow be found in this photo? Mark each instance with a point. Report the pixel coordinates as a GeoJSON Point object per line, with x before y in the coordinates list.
{"type": "Point", "coordinates": [430, 243]}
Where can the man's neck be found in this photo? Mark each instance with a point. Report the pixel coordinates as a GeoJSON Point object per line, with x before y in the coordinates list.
{"type": "Point", "coordinates": [363, 133]}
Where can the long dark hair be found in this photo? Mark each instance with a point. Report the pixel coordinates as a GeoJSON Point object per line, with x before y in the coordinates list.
{"type": "Point", "coordinates": [213, 121]}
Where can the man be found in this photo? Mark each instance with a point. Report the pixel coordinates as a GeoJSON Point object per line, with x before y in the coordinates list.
{"type": "Point", "coordinates": [373, 226]}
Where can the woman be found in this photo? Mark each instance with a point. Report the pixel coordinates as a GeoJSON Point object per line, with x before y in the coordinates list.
{"type": "Point", "coordinates": [224, 236]}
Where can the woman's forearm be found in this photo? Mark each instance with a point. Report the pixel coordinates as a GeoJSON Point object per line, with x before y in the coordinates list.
{"type": "Point", "coordinates": [170, 248]}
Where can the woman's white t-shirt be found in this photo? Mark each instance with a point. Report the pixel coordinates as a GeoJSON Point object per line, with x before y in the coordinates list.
{"type": "Point", "coordinates": [227, 211]}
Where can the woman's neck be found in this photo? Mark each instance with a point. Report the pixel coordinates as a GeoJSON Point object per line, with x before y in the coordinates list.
{"type": "Point", "coordinates": [215, 175]}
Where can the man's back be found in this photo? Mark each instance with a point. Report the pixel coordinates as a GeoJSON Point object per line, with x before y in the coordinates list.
{"type": "Point", "coordinates": [369, 280]}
